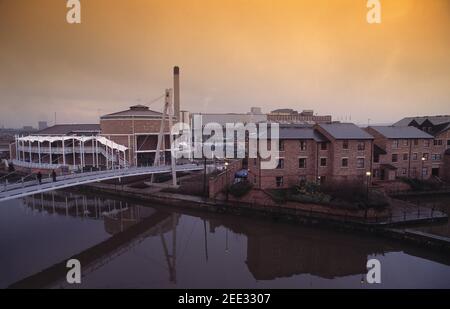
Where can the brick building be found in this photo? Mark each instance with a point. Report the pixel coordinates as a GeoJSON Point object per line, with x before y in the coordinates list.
{"type": "Point", "coordinates": [301, 148]}
{"type": "Point", "coordinates": [351, 150]}
{"type": "Point", "coordinates": [324, 153]}
{"type": "Point", "coordinates": [137, 129]}
{"type": "Point", "coordinates": [401, 152]}
{"type": "Point", "coordinates": [439, 128]}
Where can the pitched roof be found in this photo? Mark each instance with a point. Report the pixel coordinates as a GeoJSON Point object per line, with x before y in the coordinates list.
{"type": "Point", "coordinates": [345, 131]}
{"type": "Point", "coordinates": [392, 132]}
{"type": "Point", "coordinates": [141, 111]}
{"type": "Point", "coordinates": [435, 120]}
{"type": "Point", "coordinates": [307, 133]}
{"type": "Point", "coordinates": [445, 128]}
{"type": "Point", "coordinates": [377, 150]}
{"type": "Point", "coordinates": [295, 132]}
{"type": "Point", "coordinates": [68, 129]}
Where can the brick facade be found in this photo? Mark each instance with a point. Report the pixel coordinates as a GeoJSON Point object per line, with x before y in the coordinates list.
{"type": "Point", "coordinates": [312, 160]}
{"type": "Point", "coordinates": [403, 154]}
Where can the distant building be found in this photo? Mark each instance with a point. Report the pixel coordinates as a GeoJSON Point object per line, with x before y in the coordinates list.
{"type": "Point", "coordinates": [290, 116]}
{"type": "Point", "coordinates": [42, 125]}
{"type": "Point", "coordinates": [254, 116]}
{"type": "Point", "coordinates": [256, 110]}
{"type": "Point", "coordinates": [28, 128]}
{"type": "Point", "coordinates": [4, 148]}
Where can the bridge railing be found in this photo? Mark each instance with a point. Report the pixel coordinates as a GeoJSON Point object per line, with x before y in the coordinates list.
{"type": "Point", "coordinates": [118, 172]}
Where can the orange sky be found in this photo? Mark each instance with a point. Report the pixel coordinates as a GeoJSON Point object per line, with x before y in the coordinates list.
{"type": "Point", "coordinates": [234, 54]}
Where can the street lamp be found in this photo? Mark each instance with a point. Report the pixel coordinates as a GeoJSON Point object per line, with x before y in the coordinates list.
{"type": "Point", "coordinates": [423, 162]}
{"type": "Point", "coordinates": [226, 178]}
{"type": "Point", "coordinates": [368, 174]}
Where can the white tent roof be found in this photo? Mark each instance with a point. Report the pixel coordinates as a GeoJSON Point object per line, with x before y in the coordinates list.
{"type": "Point", "coordinates": [102, 140]}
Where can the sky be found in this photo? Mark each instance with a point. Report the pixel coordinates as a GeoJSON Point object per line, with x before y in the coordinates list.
{"type": "Point", "coordinates": [233, 54]}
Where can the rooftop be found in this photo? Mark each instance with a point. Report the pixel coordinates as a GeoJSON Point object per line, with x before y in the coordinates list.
{"type": "Point", "coordinates": [345, 131]}
{"type": "Point", "coordinates": [296, 132]}
{"type": "Point", "coordinates": [435, 120]}
{"type": "Point", "coordinates": [70, 129]}
{"type": "Point", "coordinates": [140, 111]}
{"type": "Point", "coordinates": [392, 132]}
{"type": "Point", "coordinates": [307, 133]}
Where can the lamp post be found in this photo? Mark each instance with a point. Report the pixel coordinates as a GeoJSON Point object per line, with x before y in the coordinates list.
{"type": "Point", "coordinates": [369, 175]}
{"type": "Point", "coordinates": [423, 162]}
{"type": "Point", "coordinates": [226, 178]}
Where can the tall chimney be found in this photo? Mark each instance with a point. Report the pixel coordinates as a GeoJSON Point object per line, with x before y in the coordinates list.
{"type": "Point", "coordinates": [176, 91]}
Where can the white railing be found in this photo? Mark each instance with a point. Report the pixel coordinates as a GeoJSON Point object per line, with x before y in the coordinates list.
{"type": "Point", "coordinates": [67, 150]}
{"type": "Point", "coordinates": [42, 165]}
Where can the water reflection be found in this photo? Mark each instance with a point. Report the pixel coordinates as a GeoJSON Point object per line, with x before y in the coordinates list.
{"type": "Point", "coordinates": [153, 247]}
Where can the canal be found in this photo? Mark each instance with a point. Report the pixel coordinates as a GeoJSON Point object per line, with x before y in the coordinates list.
{"type": "Point", "coordinates": [130, 245]}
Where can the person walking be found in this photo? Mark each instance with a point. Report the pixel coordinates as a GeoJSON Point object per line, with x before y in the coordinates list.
{"type": "Point", "coordinates": [54, 175]}
{"type": "Point", "coordinates": [39, 177]}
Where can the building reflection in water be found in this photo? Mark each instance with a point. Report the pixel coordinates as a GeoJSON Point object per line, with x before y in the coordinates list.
{"type": "Point", "coordinates": [294, 250]}
{"type": "Point", "coordinates": [128, 224]}
{"type": "Point", "coordinates": [273, 250]}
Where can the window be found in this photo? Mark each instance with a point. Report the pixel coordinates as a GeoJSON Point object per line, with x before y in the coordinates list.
{"type": "Point", "coordinates": [426, 143]}
{"type": "Point", "coordinates": [416, 142]}
{"type": "Point", "coordinates": [255, 180]}
{"type": "Point", "coordinates": [303, 146]}
{"type": "Point", "coordinates": [376, 158]}
{"type": "Point", "coordinates": [323, 146]}
{"type": "Point", "coordinates": [448, 143]}
{"type": "Point", "coordinates": [281, 145]}
{"type": "Point", "coordinates": [405, 157]}
{"type": "Point", "coordinates": [405, 142]}
{"type": "Point", "coordinates": [415, 156]}
{"type": "Point", "coordinates": [361, 146]}
{"type": "Point", "coordinates": [436, 157]}
{"type": "Point", "coordinates": [404, 171]}
{"type": "Point", "coordinates": [344, 162]}
{"type": "Point", "coordinates": [280, 182]}
{"type": "Point", "coordinates": [395, 143]}
{"type": "Point", "coordinates": [426, 156]}
{"type": "Point", "coordinates": [395, 158]}
{"type": "Point", "coordinates": [323, 162]}
{"type": "Point", "coordinates": [302, 163]}
{"type": "Point", "coordinates": [345, 144]}
{"type": "Point", "coordinates": [438, 142]}
{"type": "Point", "coordinates": [360, 163]}
{"type": "Point", "coordinates": [280, 164]}
{"type": "Point", "coordinates": [425, 171]}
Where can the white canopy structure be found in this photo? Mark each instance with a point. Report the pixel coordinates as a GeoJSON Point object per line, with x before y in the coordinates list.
{"type": "Point", "coordinates": [31, 151]}
{"type": "Point", "coordinates": [51, 139]}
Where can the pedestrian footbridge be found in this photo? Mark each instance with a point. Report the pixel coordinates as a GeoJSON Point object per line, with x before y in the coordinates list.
{"type": "Point", "coordinates": [22, 189]}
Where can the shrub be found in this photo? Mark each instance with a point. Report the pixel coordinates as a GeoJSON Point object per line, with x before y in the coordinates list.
{"type": "Point", "coordinates": [11, 168]}
{"type": "Point", "coordinates": [240, 189]}
{"type": "Point", "coordinates": [421, 185]}
{"type": "Point", "coordinates": [348, 195]}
